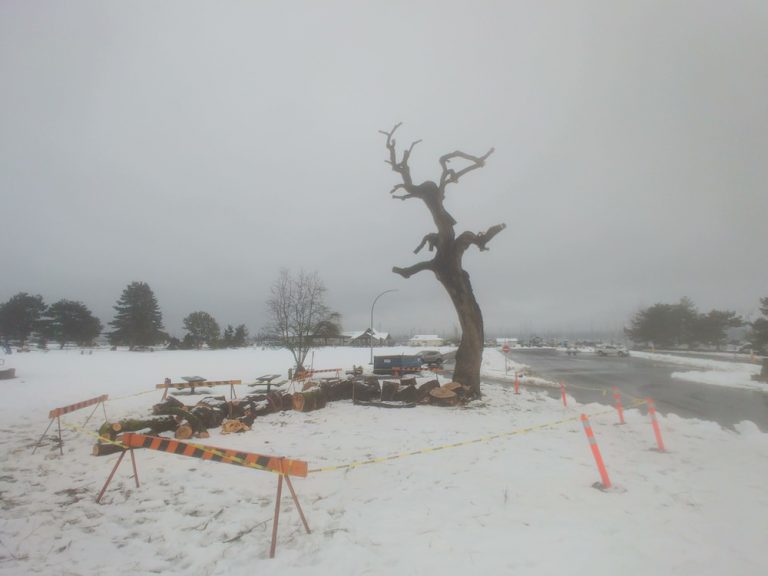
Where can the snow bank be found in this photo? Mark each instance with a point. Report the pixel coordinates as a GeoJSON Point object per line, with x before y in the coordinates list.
{"type": "Point", "coordinates": [522, 503]}
{"type": "Point", "coordinates": [715, 373]}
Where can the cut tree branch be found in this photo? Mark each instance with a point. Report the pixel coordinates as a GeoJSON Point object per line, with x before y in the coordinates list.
{"type": "Point", "coordinates": [415, 269]}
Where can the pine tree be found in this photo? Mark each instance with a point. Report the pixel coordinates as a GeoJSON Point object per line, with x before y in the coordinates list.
{"type": "Point", "coordinates": [228, 340]}
{"type": "Point", "coordinates": [20, 317]}
{"type": "Point", "coordinates": [68, 321]}
{"type": "Point", "coordinates": [138, 320]}
{"type": "Point", "coordinates": [240, 339]}
{"type": "Point", "coordinates": [758, 337]}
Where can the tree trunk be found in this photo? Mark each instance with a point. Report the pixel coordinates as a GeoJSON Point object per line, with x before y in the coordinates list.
{"type": "Point", "coordinates": [469, 355]}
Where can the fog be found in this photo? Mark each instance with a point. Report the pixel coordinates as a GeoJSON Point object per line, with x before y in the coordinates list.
{"type": "Point", "coordinates": [201, 147]}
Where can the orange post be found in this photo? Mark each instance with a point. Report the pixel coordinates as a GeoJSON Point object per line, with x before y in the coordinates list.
{"type": "Point", "coordinates": [596, 452]}
{"type": "Point", "coordinates": [562, 391]}
{"type": "Point", "coordinates": [517, 384]}
{"type": "Point", "coordinates": [619, 407]}
{"type": "Point", "coordinates": [655, 423]}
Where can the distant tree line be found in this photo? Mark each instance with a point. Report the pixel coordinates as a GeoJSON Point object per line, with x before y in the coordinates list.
{"type": "Point", "coordinates": [25, 316]}
{"type": "Point", "coordinates": [138, 321]}
{"type": "Point", "coordinates": [682, 325]}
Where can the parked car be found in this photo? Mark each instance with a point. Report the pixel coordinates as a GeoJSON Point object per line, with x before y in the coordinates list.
{"type": "Point", "coordinates": [611, 350]}
{"type": "Point", "coordinates": [431, 358]}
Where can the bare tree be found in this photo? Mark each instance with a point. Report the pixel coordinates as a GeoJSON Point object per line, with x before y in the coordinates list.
{"type": "Point", "coordinates": [449, 250]}
{"type": "Point", "coordinates": [296, 308]}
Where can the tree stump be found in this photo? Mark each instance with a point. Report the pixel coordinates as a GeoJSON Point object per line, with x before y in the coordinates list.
{"type": "Point", "coordinates": [443, 397]}
{"type": "Point", "coordinates": [309, 400]}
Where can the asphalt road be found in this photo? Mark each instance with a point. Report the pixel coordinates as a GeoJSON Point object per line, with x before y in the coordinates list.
{"type": "Point", "coordinates": [645, 378]}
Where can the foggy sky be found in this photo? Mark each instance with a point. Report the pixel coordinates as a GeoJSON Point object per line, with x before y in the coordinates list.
{"type": "Point", "coordinates": [200, 147]}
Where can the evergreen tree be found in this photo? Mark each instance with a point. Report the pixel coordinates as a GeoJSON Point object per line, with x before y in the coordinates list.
{"type": "Point", "coordinates": [20, 317]}
{"type": "Point", "coordinates": [68, 321]}
{"type": "Point", "coordinates": [202, 329]}
{"type": "Point", "coordinates": [712, 328]}
{"type": "Point", "coordinates": [228, 340]}
{"type": "Point", "coordinates": [138, 320]}
{"type": "Point", "coordinates": [664, 324]}
{"type": "Point", "coordinates": [240, 338]}
{"type": "Point", "coordinates": [758, 336]}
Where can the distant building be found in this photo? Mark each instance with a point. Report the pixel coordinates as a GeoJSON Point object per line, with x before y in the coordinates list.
{"type": "Point", "coordinates": [426, 340]}
{"type": "Point", "coordinates": [366, 338]}
{"type": "Point", "coordinates": [508, 341]}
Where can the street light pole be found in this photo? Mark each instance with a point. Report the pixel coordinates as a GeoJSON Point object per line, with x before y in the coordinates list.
{"type": "Point", "coordinates": [370, 336]}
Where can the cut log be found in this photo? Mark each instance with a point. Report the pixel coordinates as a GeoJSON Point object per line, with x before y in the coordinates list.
{"type": "Point", "coordinates": [231, 426]}
{"type": "Point", "coordinates": [406, 394]}
{"type": "Point", "coordinates": [409, 381]}
{"type": "Point", "coordinates": [169, 402]}
{"type": "Point", "coordinates": [424, 390]}
{"type": "Point", "coordinates": [388, 390]}
{"type": "Point", "coordinates": [337, 390]}
{"type": "Point", "coordinates": [155, 426]}
{"type": "Point", "coordinates": [183, 432]}
{"type": "Point", "coordinates": [309, 400]}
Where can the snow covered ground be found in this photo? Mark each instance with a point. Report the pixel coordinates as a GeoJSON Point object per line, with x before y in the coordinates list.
{"type": "Point", "coordinates": [519, 503]}
{"type": "Point", "coordinates": [712, 372]}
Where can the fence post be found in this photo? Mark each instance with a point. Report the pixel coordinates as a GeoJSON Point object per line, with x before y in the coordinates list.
{"type": "Point", "coordinates": [619, 407]}
{"type": "Point", "coordinates": [655, 424]}
{"type": "Point", "coordinates": [596, 452]}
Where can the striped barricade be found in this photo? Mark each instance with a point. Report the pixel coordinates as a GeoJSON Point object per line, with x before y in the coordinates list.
{"type": "Point", "coordinates": [198, 384]}
{"type": "Point", "coordinates": [307, 374]}
{"type": "Point", "coordinates": [284, 467]}
{"type": "Point", "coordinates": [57, 413]}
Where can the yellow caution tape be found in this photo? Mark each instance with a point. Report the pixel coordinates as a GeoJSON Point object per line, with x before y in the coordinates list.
{"type": "Point", "coordinates": [382, 459]}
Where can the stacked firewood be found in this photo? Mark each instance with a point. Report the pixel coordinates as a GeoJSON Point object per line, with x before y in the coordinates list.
{"type": "Point", "coordinates": [171, 415]}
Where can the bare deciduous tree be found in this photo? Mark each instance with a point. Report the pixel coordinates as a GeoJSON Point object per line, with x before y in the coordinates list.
{"type": "Point", "coordinates": [296, 308]}
{"type": "Point", "coordinates": [449, 249]}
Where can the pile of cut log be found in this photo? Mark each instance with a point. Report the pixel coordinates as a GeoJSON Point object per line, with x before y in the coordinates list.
{"type": "Point", "coordinates": [238, 415]}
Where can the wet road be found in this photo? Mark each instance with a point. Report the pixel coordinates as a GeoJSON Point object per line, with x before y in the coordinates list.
{"type": "Point", "coordinates": [643, 378]}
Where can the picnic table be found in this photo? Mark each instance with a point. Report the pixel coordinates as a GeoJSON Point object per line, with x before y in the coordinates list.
{"type": "Point", "coordinates": [192, 382]}
{"type": "Point", "coordinates": [265, 380]}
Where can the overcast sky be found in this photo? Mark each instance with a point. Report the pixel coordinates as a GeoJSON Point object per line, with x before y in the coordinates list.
{"type": "Point", "coordinates": [202, 146]}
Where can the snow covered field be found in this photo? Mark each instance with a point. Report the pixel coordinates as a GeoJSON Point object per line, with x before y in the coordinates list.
{"type": "Point", "coordinates": [520, 503]}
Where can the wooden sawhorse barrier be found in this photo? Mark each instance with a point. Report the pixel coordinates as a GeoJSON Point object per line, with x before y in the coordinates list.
{"type": "Point", "coordinates": [279, 465]}
{"type": "Point", "coordinates": [57, 413]}
{"type": "Point", "coordinates": [310, 373]}
{"type": "Point", "coordinates": [192, 384]}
